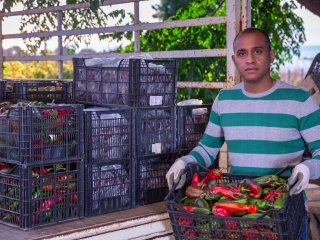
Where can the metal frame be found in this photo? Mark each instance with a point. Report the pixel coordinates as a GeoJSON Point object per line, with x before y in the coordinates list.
{"type": "Point", "coordinates": [237, 18]}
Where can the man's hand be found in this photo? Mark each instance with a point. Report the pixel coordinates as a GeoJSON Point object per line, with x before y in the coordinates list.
{"type": "Point", "coordinates": [175, 172]}
{"type": "Point", "coordinates": [299, 179]}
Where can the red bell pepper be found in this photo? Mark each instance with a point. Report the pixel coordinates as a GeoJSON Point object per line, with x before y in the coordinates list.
{"type": "Point", "coordinates": [195, 180]}
{"type": "Point", "coordinates": [213, 174]}
{"type": "Point", "coordinates": [237, 207]}
{"type": "Point", "coordinates": [219, 211]}
{"type": "Point", "coordinates": [229, 192]}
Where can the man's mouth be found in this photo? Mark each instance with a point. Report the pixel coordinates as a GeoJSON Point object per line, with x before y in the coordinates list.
{"type": "Point", "coordinates": [251, 70]}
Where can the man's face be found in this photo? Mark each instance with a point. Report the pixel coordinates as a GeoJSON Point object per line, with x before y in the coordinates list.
{"type": "Point", "coordinates": [252, 57]}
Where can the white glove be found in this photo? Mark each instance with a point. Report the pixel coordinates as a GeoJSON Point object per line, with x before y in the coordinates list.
{"type": "Point", "coordinates": [175, 172]}
{"type": "Point", "coordinates": [299, 179]}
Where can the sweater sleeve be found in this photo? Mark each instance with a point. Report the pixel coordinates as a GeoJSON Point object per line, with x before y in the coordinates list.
{"type": "Point", "coordinates": [310, 131]}
{"type": "Point", "coordinates": [209, 145]}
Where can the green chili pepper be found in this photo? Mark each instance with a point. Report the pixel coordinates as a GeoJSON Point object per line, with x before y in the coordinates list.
{"type": "Point", "coordinates": [260, 203]}
{"type": "Point", "coordinates": [279, 203]}
{"type": "Point", "coordinates": [198, 210]}
{"type": "Point", "coordinates": [241, 200]}
{"type": "Point", "coordinates": [255, 215]}
{"type": "Point", "coordinates": [197, 202]}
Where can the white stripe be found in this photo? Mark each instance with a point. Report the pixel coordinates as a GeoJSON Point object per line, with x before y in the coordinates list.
{"type": "Point", "coordinates": [311, 134]}
{"type": "Point", "coordinates": [199, 149]}
{"type": "Point", "coordinates": [265, 161]}
{"type": "Point", "coordinates": [266, 106]}
{"type": "Point", "coordinates": [260, 133]}
{"type": "Point", "coordinates": [212, 151]}
{"type": "Point", "coordinates": [214, 130]}
{"type": "Point", "coordinates": [309, 106]}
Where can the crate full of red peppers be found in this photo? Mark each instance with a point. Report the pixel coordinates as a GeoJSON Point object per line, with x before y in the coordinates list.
{"type": "Point", "coordinates": [213, 205]}
{"type": "Point", "coordinates": [35, 132]}
{"type": "Point", "coordinates": [38, 195]}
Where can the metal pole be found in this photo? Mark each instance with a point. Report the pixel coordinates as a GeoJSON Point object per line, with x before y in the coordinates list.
{"type": "Point", "coordinates": [1, 49]}
{"type": "Point", "coordinates": [60, 47]}
{"type": "Point", "coordinates": [246, 14]}
{"type": "Point", "coordinates": [233, 25]}
{"type": "Point", "coordinates": [136, 33]}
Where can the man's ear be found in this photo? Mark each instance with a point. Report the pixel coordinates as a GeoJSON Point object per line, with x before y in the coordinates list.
{"type": "Point", "coordinates": [272, 55]}
{"type": "Point", "coordinates": [233, 59]}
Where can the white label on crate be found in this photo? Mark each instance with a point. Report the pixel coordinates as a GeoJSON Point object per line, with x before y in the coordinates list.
{"type": "Point", "coordinates": [155, 100]}
{"type": "Point", "coordinates": [199, 111]}
{"type": "Point", "coordinates": [156, 148]}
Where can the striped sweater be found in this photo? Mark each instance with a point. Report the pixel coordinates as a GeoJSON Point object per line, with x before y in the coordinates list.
{"type": "Point", "coordinates": [264, 132]}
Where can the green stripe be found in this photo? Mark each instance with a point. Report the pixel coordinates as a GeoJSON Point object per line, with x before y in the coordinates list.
{"type": "Point", "coordinates": [212, 142]}
{"type": "Point", "coordinates": [314, 145]}
{"type": "Point", "coordinates": [280, 94]}
{"type": "Point", "coordinates": [316, 157]}
{"type": "Point", "coordinates": [214, 118]}
{"type": "Point", "coordinates": [311, 120]}
{"type": "Point", "coordinates": [265, 147]}
{"type": "Point", "coordinates": [257, 171]}
{"type": "Point", "coordinates": [199, 158]}
{"type": "Point", "coordinates": [259, 119]}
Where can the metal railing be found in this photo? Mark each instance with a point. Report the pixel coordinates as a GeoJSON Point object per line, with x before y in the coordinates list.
{"type": "Point", "coordinates": [235, 19]}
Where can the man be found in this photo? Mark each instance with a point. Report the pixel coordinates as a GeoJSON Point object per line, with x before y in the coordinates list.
{"type": "Point", "coordinates": [264, 121]}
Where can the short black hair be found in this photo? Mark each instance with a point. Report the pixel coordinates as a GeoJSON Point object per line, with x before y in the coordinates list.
{"type": "Point", "coordinates": [254, 30]}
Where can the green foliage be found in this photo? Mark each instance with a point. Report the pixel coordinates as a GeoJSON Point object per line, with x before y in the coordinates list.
{"type": "Point", "coordinates": [37, 69]}
{"type": "Point", "coordinates": [283, 26]}
{"type": "Point", "coordinates": [74, 19]}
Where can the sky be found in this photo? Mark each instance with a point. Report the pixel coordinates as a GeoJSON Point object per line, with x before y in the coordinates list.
{"type": "Point", "coordinates": [11, 25]}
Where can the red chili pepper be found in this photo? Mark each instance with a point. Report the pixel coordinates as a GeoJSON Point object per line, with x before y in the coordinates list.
{"type": "Point", "coordinates": [237, 207]}
{"type": "Point", "coordinates": [185, 221]}
{"type": "Point", "coordinates": [47, 204]}
{"type": "Point", "coordinates": [46, 170]}
{"type": "Point", "coordinates": [62, 111]}
{"type": "Point", "coordinates": [35, 171]}
{"type": "Point", "coordinates": [47, 188]}
{"type": "Point", "coordinates": [46, 112]}
{"type": "Point", "coordinates": [218, 211]}
{"type": "Point", "coordinates": [248, 185]}
{"type": "Point", "coordinates": [229, 192]}
{"type": "Point", "coordinates": [213, 174]}
{"type": "Point", "coordinates": [195, 180]}
{"type": "Point", "coordinates": [269, 195]}
{"type": "Point", "coordinates": [74, 197]}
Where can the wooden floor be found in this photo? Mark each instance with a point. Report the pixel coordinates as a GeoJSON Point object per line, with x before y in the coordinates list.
{"type": "Point", "coordinates": [11, 233]}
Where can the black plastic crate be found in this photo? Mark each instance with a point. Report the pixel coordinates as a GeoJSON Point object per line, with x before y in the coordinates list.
{"type": "Point", "coordinates": [285, 223]}
{"type": "Point", "coordinates": [192, 122]}
{"type": "Point", "coordinates": [108, 187]}
{"type": "Point", "coordinates": [42, 194]}
{"type": "Point", "coordinates": [134, 83]}
{"type": "Point", "coordinates": [155, 131]}
{"type": "Point", "coordinates": [3, 96]}
{"type": "Point", "coordinates": [41, 134]}
{"type": "Point", "coordinates": [108, 135]}
{"type": "Point", "coordinates": [57, 91]}
{"type": "Point", "coordinates": [151, 183]}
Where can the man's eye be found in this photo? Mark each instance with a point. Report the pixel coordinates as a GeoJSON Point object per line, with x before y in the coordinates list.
{"type": "Point", "coordinates": [241, 54]}
{"type": "Point", "coordinates": [258, 51]}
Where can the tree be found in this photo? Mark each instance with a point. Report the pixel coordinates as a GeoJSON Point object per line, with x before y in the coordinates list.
{"type": "Point", "coordinates": [278, 20]}
{"type": "Point", "coordinates": [73, 19]}
{"type": "Point", "coordinates": [168, 8]}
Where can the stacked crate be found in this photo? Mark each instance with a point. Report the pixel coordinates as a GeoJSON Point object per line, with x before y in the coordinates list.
{"type": "Point", "coordinates": [57, 91]}
{"type": "Point", "coordinates": [146, 89]}
{"type": "Point", "coordinates": [108, 169]}
{"type": "Point", "coordinates": [41, 155]}
{"type": "Point", "coordinates": [192, 123]}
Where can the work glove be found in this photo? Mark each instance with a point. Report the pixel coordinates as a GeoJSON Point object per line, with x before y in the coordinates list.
{"type": "Point", "coordinates": [299, 179]}
{"type": "Point", "coordinates": [175, 172]}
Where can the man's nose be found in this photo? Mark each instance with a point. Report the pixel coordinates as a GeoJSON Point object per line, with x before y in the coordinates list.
{"type": "Point", "coordinates": [250, 58]}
